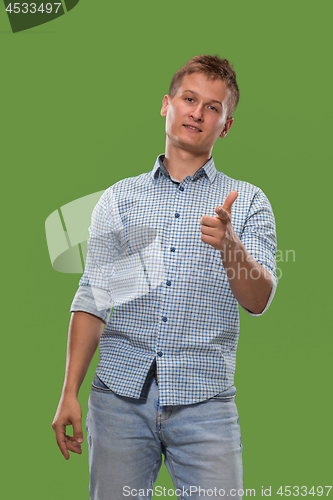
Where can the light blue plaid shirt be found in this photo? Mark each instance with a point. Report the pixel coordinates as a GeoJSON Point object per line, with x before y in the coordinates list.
{"type": "Point", "coordinates": [171, 298]}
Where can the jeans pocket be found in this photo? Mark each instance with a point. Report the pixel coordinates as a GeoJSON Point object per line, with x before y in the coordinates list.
{"type": "Point", "coordinates": [98, 385]}
{"type": "Point", "coordinates": [227, 395]}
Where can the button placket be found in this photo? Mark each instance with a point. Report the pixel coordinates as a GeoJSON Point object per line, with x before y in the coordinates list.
{"type": "Point", "coordinates": [167, 302]}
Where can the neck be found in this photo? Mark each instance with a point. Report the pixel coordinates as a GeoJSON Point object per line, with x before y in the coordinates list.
{"type": "Point", "coordinates": [180, 163]}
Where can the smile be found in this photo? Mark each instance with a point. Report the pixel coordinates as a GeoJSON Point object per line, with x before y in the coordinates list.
{"type": "Point", "coordinates": [190, 127]}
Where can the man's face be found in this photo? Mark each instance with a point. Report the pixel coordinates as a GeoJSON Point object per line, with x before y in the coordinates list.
{"type": "Point", "coordinates": [196, 115]}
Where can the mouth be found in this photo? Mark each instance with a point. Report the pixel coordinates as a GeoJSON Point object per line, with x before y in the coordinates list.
{"type": "Point", "coordinates": [191, 128]}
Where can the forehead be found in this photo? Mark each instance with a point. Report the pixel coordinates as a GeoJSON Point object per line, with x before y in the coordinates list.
{"type": "Point", "coordinates": [205, 87]}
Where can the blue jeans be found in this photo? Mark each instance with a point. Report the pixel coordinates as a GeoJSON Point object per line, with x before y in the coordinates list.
{"type": "Point", "coordinates": [127, 437]}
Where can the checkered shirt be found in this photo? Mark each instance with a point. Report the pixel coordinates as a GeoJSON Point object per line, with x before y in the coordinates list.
{"type": "Point", "coordinates": [168, 292]}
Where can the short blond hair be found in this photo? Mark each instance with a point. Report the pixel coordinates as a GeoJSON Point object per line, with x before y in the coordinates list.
{"type": "Point", "coordinates": [213, 67]}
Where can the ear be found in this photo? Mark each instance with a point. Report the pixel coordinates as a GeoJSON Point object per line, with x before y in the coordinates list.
{"type": "Point", "coordinates": [226, 127]}
{"type": "Point", "coordinates": [165, 103]}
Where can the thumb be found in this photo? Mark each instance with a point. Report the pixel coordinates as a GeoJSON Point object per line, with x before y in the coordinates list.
{"type": "Point", "coordinates": [77, 431]}
{"type": "Point", "coordinates": [231, 197]}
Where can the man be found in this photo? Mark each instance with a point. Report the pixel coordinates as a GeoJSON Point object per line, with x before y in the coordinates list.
{"type": "Point", "coordinates": [174, 264]}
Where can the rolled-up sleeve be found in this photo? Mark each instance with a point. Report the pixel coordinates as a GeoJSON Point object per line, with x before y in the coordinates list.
{"type": "Point", "coordinates": [96, 302]}
{"type": "Point", "coordinates": [93, 295]}
{"type": "Point", "coordinates": [259, 238]}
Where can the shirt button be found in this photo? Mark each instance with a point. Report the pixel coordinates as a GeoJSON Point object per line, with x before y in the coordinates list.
{"type": "Point", "coordinates": [168, 283]}
{"type": "Point", "coordinates": [165, 319]}
{"type": "Point", "coordinates": [181, 188]}
{"type": "Point", "coordinates": [177, 215]}
{"type": "Point", "coordinates": [160, 353]}
{"type": "Point", "coordinates": [172, 249]}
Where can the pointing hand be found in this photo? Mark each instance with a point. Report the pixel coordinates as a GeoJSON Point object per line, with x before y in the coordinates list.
{"type": "Point", "coordinates": [218, 231]}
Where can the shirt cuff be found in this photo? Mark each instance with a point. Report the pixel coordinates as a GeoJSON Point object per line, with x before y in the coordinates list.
{"type": "Point", "coordinates": [274, 285]}
{"type": "Point", "coordinates": [93, 301]}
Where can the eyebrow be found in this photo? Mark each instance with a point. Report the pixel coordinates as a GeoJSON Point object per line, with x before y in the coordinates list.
{"type": "Point", "coordinates": [195, 93]}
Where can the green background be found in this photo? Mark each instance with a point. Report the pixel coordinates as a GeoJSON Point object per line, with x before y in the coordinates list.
{"type": "Point", "coordinates": [80, 93]}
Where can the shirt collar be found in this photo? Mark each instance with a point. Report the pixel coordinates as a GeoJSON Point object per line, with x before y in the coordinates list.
{"type": "Point", "coordinates": [207, 169]}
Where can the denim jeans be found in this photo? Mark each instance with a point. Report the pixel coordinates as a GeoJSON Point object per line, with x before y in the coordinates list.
{"type": "Point", "coordinates": [127, 437]}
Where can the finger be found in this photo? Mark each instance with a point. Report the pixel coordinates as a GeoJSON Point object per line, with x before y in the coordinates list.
{"type": "Point", "coordinates": [61, 440]}
{"type": "Point", "coordinates": [222, 214]}
{"type": "Point", "coordinates": [71, 445]}
{"type": "Point", "coordinates": [207, 220]}
{"type": "Point", "coordinates": [70, 438]}
{"type": "Point", "coordinates": [208, 230]}
{"type": "Point", "coordinates": [211, 240]}
{"type": "Point", "coordinates": [77, 431]}
{"type": "Point", "coordinates": [231, 197]}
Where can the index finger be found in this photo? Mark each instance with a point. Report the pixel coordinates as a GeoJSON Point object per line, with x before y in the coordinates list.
{"type": "Point", "coordinates": [231, 197]}
{"type": "Point", "coordinates": [60, 432]}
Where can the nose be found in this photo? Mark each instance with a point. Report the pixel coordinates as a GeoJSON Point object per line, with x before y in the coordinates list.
{"type": "Point", "coordinates": [196, 113]}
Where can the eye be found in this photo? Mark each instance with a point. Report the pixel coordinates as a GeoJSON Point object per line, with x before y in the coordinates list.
{"type": "Point", "coordinates": [189, 99]}
{"type": "Point", "coordinates": [212, 107]}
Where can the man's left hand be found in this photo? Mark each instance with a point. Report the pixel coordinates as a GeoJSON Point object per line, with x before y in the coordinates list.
{"type": "Point", "coordinates": [218, 231]}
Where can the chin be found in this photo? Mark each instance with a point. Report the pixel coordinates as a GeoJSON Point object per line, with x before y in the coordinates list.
{"type": "Point", "coordinates": [192, 148]}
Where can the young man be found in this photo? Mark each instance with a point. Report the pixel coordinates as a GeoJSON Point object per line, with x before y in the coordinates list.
{"type": "Point", "coordinates": [174, 264]}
